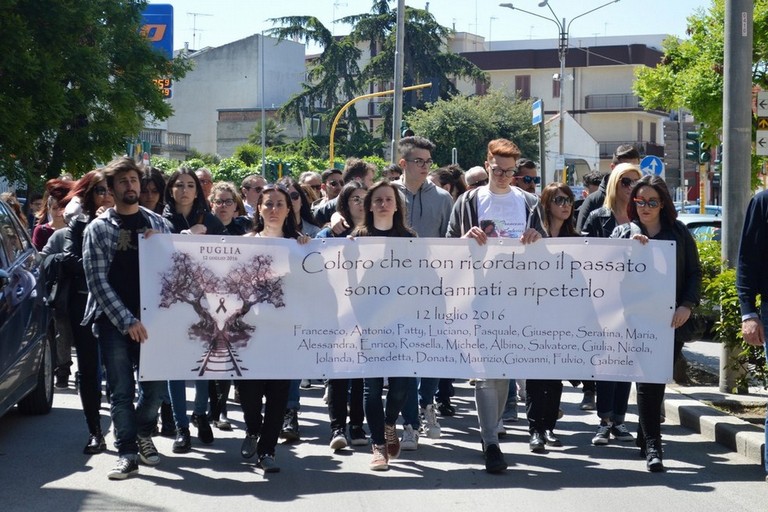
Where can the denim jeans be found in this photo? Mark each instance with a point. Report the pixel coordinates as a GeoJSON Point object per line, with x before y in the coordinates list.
{"type": "Point", "coordinates": [345, 395]}
{"type": "Point", "coordinates": [294, 395]}
{"type": "Point", "coordinates": [421, 394]}
{"type": "Point", "coordinates": [612, 400]}
{"type": "Point", "coordinates": [177, 390]}
{"type": "Point", "coordinates": [120, 355]}
{"type": "Point", "coordinates": [375, 413]}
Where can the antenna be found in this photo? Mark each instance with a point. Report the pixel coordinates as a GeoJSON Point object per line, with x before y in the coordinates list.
{"type": "Point", "coordinates": [194, 25]}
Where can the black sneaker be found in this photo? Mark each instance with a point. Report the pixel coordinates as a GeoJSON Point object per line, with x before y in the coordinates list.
{"type": "Point", "coordinates": [357, 436]}
{"type": "Point", "coordinates": [494, 459]}
{"type": "Point", "coordinates": [204, 431]}
{"type": "Point", "coordinates": [248, 448]}
{"type": "Point", "coordinates": [183, 442]}
{"type": "Point", "coordinates": [290, 430]}
{"type": "Point", "coordinates": [96, 444]}
{"type": "Point", "coordinates": [268, 464]}
{"type": "Point", "coordinates": [147, 451]}
{"type": "Point", "coordinates": [446, 409]}
{"type": "Point", "coordinates": [124, 468]}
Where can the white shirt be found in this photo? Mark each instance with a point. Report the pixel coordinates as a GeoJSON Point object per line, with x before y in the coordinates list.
{"type": "Point", "coordinates": [501, 215]}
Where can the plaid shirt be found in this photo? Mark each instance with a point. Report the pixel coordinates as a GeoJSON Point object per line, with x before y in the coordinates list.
{"type": "Point", "coordinates": [99, 244]}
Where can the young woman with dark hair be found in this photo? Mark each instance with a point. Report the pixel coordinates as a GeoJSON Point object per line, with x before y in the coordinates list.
{"type": "Point", "coordinates": [274, 218]}
{"type": "Point", "coordinates": [152, 190]}
{"type": "Point", "coordinates": [653, 217]}
{"type": "Point", "coordinates": [302, 208]}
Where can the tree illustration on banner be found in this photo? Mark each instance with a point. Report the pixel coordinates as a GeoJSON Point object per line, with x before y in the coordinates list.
{"type": "Point", "coordinates": [253, 282]}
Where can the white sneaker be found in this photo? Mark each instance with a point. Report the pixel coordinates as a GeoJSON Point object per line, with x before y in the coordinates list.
{"type": "Point", "coordinates": [410, 439]}
{"type": "Point", "coordinates": [431, 427]}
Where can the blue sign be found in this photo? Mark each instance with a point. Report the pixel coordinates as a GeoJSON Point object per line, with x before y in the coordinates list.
{"type": "Point", "coordinates": [157, 26]}
{"type": "Point", "coordinates": [652, 165]}
{"type": "Point", "coordinates": [538, 112]}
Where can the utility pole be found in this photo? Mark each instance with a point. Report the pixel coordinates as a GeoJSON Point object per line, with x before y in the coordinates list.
{"type": "Point", "coordinates": [737, 143]}
{"type": "Point", "coordinates": [397, 103]}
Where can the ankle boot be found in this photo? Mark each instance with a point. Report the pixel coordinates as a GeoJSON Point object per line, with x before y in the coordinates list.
{"type": "Point", "coordinates": [653, 455]}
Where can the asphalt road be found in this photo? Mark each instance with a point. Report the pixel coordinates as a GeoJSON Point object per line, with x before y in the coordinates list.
{"type": "Point", "coordinates": [42, 468]}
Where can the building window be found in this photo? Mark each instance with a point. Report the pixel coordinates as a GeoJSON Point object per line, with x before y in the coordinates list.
{"type": "Point", "coordinates": [639, 131]}
{"type": "Point", "coordinates": [555, 88]}
{"type": "Point", "coordinates": [523, 86]}
{"type": "Point", "coordinates": [653, 133]}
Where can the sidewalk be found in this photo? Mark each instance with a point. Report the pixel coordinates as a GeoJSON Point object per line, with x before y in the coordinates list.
{"type": "Point", "coordinates": [692, 407]}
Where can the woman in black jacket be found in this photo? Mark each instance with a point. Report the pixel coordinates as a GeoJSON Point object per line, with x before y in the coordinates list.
{"type": "Point", "coordinates": [653, 217]}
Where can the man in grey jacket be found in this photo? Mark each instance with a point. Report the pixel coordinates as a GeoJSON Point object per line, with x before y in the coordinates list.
{"type": "Point", "coordinates": [496, 210]}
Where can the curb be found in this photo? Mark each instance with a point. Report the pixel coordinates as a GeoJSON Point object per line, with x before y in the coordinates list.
{"type": "Point", "coordinates": [735, 434]}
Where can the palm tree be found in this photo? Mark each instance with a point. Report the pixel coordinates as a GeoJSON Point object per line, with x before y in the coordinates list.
{"type": "Point", "coordinates": [274, 135]}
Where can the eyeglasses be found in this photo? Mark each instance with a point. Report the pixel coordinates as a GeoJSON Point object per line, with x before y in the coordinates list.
{"type": "Point", "coordinates": [224, 202]}
{"type": "Point", "coordinates": [248, 187]}
{"type": "Point", "coordinates": [356, 199]}
{"type": "Point", "coordinates": [562, 200]}
{"type": "Point", "coordinates": [421, 162]}
{"type": "Point", "coordinates": [628, 182]}
{"type": "Point", "coordinates": [294, 196]}
{"type": "Point", "coordinates": [529, 179]}
{"type": "Point", "coordinates": [205, 181]}
{"type": "Point", "coordinates": [498, 171]}
{"type": "Point", "coordinates": [100, 191]}
{"type": "Point", "coordinates": [334, 183]}
{"type": "Point", "coordinates": [649, 203]}
{"type": "Point", "coordinates": [480, 183]}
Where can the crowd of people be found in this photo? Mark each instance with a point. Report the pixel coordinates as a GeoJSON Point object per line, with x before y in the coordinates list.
{"type": "Point", "coordinates": [88, 231]}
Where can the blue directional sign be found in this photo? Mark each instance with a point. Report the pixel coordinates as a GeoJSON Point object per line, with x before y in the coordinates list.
{"type": "Point", "coordinates": [537, 116]}
{"type": "Point", "coordinates": [652, 165]}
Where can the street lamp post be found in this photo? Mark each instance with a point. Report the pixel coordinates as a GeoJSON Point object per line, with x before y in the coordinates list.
{"type": "Point", "coordinates": [562, 49]}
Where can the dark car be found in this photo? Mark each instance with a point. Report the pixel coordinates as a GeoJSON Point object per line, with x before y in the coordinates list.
{"type": "Point", "coordinates": [26, 335]}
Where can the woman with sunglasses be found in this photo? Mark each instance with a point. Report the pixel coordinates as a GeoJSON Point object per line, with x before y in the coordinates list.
{"type": "Point", "coordinates": [92, 197]}
{"type": "Point", "coordinates": [653, 217]}
{"type": "Point", "coordinates": [612, 397]}
{"type": "Point", "coordinates": [542, 397]}
{"type": "Point", "coordinates": [346, 395]}
{"type": "Point", "coordinates": [274, 218]}
{"type": "Point", "coordinates": [302, 208]}
{"type": "Point", "coordinates": [186, 209]}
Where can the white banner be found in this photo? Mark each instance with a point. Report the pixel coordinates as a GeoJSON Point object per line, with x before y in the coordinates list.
{"type": "Point", "coordinates": [241, 307]}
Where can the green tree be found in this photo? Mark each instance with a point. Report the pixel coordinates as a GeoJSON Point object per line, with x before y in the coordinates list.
{"type": "Point", "coordinates": [274, 135]}
{"type": "Point", "coordinates": [690, 75]}
{"type": "Point", "coordinates": [76, 79]}
{"type": "Point", "coordinates": [469, 123]}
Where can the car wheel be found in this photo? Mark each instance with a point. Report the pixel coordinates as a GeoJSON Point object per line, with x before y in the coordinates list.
{"type": "Point", "coordinates": [40, 400]}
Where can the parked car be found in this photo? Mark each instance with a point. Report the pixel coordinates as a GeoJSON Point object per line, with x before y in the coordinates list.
{"type": "Point", "coordinates": [26, 332]}
{"type": "Point", "coordinates": [709, 209]}
{"type": "Point", "coordinates": [702, 227]}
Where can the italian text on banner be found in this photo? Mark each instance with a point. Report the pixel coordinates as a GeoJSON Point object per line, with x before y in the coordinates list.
{"type": "Point", "coordinates": [266, 308]}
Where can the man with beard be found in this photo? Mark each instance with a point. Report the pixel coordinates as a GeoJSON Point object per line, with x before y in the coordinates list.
{"type": "Point", "coordinates": [111, 263]}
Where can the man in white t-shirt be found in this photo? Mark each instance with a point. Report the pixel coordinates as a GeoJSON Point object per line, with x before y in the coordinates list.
{"type": "Point", "coordinates": [496, 210]}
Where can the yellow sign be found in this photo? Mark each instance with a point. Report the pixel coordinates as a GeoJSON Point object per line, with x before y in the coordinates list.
{"type": "Point", "coordinates": [762, 123]}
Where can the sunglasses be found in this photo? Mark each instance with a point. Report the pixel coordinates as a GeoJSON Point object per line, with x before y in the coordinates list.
{"type": "Point", "coordinates": [562, 200]}
{"type": "Point", "coordinates": [480, 183]}
{"type": "Point", "coordinates": [100, 191]}
{"type": "Point", "coordinates": [294, 196]}
{"type": "Point", "coordinates": [628, 182]}
{"type": "Point", "coordinates": [529, 179]}
{"type": "Point", "coordinates": [257, 189]}
{"type": "Point", "coordinates": [650, 203]}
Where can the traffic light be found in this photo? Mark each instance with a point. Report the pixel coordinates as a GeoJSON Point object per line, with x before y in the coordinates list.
{"type": "Point", "coordinates": [692, 146]}
{"type": "Point", "coordinates": [705, 153]}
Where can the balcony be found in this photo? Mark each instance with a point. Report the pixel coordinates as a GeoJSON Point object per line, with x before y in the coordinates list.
{"type": "Point", "coordinates": [645, 148]}
{"type": "Point", "coordinates": [612, 102]}
{"type": "Point", "coordinates": [163, 141]}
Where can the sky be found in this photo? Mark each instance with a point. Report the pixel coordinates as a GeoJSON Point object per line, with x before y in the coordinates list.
{"type": "Point", "coordinates": [217, 22]}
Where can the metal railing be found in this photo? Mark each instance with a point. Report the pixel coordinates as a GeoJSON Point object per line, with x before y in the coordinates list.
{"type": "Point", "coordinates": [612, 101]}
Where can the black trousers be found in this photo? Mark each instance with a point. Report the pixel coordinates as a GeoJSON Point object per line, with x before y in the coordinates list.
{"type": "Point", "coordinates": [275, 396]}
{"type": "Point", "coordinates": [88, 363]}
{"type": "Point", "coordinates": [542, 403]}
{"type": "Point", "coordinates": [343, 393]}
{"type": "Point", "coordinates": [649, 398]}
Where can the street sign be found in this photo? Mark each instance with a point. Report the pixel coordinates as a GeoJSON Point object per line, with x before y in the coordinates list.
{"type": "Point", "coordinates": [537, 116]}
{"type": "Point", "coordinates": [652, 165]}
{"type": "Point", "coordinates": [762, 123]}
{"type": "Point", "coordinates": [761, 142]}
{"type": "Point", "coordinates": [762, 104]}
